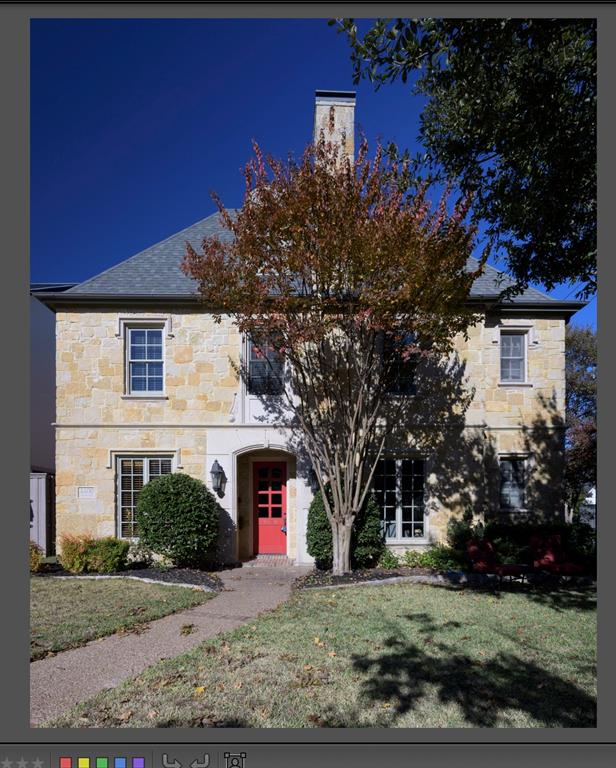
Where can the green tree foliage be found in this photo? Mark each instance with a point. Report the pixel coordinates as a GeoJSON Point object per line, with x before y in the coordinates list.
{"type": "Point", "coordinates": [178, 518]}
{"type": "Point", "coordinates": [367, 543]}
{"type": "Point", "coordinates": [510, 115]}
{"type": "Point", "coordinates": [581, 413]}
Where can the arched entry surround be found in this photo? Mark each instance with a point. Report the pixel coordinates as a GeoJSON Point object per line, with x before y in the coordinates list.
{"type": "Point", "coordinates": [244, 461]}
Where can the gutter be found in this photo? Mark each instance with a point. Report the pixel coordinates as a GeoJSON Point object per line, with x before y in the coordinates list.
{"type": "Point", "coordinates": [59, 300]}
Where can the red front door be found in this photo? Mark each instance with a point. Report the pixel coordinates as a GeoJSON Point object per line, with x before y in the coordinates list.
{"type": "Point", "coordinates": [269, 493]}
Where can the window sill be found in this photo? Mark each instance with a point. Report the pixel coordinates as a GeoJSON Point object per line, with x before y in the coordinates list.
{"type": "Point", "coordinates": [145, 397]}
{"type": "Point", "coordinates": [515, 384]}
{"type": "Point", "coordinates": [406, 542]}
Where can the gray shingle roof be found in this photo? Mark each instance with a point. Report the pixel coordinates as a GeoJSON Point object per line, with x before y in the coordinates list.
{"type": "Point", "coordinates": [156, 271]}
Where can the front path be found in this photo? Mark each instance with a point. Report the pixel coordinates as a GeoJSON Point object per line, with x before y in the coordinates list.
{"type": "Point", "coordinates": [72, 676]}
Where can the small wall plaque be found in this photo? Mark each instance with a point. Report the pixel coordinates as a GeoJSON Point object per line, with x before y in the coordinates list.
{"type": "Point", "coordinates": [86, 492]}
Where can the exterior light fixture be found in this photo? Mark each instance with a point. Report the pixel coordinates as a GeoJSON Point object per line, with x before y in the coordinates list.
{"type": "Point", "coordinates": [219, 480]}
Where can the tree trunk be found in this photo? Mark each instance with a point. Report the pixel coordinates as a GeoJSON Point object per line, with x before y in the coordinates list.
{"type": "Point", "coordinates": [341, 541]}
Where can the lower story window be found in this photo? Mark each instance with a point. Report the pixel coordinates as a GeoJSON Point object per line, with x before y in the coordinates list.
{"type": "Point", "coordinates": [513, 482]}
{"type": "Point", "coordinates": [132, 474]}
{"type": "Point", "coordinates": [399, 489]}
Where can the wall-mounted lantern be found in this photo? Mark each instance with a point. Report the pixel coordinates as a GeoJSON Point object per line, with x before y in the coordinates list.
{"type": "Point", "coordinates": [219, 480]}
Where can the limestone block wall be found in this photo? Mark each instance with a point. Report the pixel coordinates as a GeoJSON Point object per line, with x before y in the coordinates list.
{"type": "Point", "coordinates": [510, 405]}
{"type": "Point", "coordinates": [96, 419]}
{"type": "Point", "coordinates": [86, 457]}
{"type": "Point", "coordinates": [200, 382]}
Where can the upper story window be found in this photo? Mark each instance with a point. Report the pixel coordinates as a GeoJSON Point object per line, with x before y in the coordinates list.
{"type": "Point", "coordinates": [265, 369]}
{"type": "Point", "coordinates": [401, 365]}
{"type": "Point", "coordinates": [145, 361]}
{"type": "Point", "coordinates": [513, 356]}
{"type": "Point", "coordinates": [513, 482]}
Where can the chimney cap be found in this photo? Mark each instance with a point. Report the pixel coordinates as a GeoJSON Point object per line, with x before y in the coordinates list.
{"type": "Point", "coordinates": [338, 95]}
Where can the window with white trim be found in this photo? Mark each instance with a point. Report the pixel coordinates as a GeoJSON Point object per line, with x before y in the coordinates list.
{"type": "Point", "coordinates": [513, 356]}
{"type": "Point", "coordinates": [512, 482]}
{"type": "Point", "coordinates": [144, 360]}
{"type": "Point", "coordinates": [133, 472]}
{"type": "Point", "coordinates": [399, 489]}
{"type": "Point", "coordinates": [265, 368]}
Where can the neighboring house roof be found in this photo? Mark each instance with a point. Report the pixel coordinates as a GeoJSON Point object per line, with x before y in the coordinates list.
{"type": "Point", "coordinates": [156, 273]}
{"type": "Point", "coordinates": [50, 287]}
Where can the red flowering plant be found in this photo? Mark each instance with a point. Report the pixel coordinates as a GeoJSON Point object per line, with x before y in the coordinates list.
{"type": "Point", "coordinates": [360, 285]}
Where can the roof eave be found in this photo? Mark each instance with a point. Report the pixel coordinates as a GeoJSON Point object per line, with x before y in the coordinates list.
{"type": "Point", "coordinates": [58, 300]}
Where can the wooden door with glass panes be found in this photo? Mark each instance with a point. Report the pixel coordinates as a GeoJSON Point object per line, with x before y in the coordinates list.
{"type": "Point", "coordinates": [270, 507]}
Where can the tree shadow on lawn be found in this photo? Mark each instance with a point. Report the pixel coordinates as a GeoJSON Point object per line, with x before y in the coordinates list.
{"type": "Point", "coordinates": [560, 598]}
{"type": "Point", "coordinates": [405, 673]}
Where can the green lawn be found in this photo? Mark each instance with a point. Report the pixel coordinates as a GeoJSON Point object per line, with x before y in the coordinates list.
{"type": "Point", "coordinates": [391, 655]}
{"type": "Point", "coordinates": [66, 613]}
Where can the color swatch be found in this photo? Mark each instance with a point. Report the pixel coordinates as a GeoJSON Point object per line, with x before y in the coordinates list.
{"type": "Point", "coordinates": [101, 762]}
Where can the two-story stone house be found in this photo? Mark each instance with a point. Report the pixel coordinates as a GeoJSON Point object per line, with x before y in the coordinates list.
{"type": "Point", "coordinates": [146, 385]}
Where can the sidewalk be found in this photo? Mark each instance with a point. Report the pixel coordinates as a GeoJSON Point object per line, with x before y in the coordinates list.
{"type": "Point", "coordinates": [58, 683]}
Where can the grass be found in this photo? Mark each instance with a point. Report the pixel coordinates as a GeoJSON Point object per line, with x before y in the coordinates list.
{"type": "Point", "coordinates": [66, 613]}
{"type": "Point", "coordinates": [390, 655]}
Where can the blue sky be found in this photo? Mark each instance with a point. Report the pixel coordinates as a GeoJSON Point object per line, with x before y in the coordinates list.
{"type": "Point", "coordinates": [134, 122]}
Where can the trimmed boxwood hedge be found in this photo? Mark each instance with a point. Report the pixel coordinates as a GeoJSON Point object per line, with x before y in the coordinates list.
{"type": "Point", "coordinates": [367, 542]}
{"type": "Point", "coordinates": [177, 517]}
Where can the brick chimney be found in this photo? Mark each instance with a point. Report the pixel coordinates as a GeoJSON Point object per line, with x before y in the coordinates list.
{"type": "Point", "coordinates": [334, 114]}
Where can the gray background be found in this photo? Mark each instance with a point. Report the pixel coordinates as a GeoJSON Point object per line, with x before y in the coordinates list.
{"type": "Point", "coordinates": [14, 87]}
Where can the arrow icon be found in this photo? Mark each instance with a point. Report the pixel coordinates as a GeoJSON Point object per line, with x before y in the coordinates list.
{"type": "Point", "coordinates": [204, 764]}
{"type": "Point", "coordinates": [168, 764]}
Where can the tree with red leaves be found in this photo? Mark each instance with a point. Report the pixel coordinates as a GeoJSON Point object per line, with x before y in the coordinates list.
{"type": "Point", "coordinates": [361, 289]}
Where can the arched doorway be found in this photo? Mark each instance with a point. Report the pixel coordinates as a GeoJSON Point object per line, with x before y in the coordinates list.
{"type": "Point", "coordinates": [266, 503]}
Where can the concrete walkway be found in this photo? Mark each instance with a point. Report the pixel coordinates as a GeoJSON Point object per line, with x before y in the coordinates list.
{"type": "Point", "coordinates": [59, 682]}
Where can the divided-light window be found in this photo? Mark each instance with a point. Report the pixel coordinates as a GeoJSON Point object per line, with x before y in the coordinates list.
{"type": "Point", "coordinates": [132, 474]}
{"type": "Point", "coordinates": [513, 482]}
{"type": "Point", "coordinates": [513, 356]}
{"type": "Point", "coordinates": [401, 366]}
{"type": "Point", "coordinates": [399, 489]}
{"type": "Point", "coordinates": [265, 368]}
{"type": "Point", "coordinates": [145, 361]}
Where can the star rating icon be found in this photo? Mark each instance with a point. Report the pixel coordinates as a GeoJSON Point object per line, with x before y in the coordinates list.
{"type": "Point", "coordinates": [21, 763]}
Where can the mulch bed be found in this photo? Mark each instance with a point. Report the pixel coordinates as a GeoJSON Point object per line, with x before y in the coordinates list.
{"type": "Point", "coordinates": [167, 575]}
{"type": "Point", "coordinates": [326, 578]}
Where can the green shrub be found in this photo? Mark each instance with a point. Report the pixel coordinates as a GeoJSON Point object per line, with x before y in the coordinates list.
{"type": "Point", "coordinates": [388, 560]}
{"type": "Point", "coordinates": [75, 552]}
{"type": "Point", "coordinates": [439, 557]}
{"type": "Point", "coordinates": [177, 517]}
{"type": "Point", "coordinates": [84, 553]}
{"type": "Point", "coordinates": [367, 541]}
{"type": "Point", "coordinates": [413, 558]}
{"type": "Point", "coordinates": [460, 531]}
{"type": "Point", "coordinates": [36, 557]}
{"type": "Point", "coordinates": [107, 555]}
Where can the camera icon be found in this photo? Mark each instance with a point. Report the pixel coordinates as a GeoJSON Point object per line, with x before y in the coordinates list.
{"type": "Point", "coordinates": [234, 759]}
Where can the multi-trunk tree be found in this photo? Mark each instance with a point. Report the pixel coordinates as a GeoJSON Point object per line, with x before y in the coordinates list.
{"type": "Point", "coordinates": [360, 289]}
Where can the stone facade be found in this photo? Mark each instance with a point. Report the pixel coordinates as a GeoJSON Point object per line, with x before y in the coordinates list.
{"type": "Point", "coordinates": [199, 418]}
